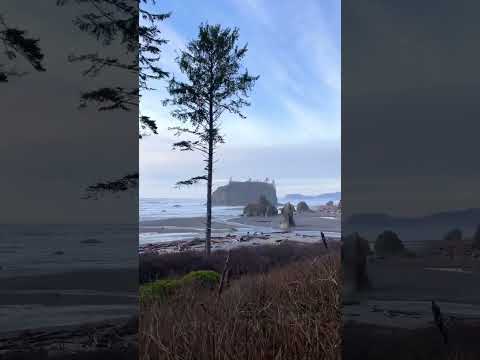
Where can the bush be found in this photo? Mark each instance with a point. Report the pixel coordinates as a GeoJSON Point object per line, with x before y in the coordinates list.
{"type": "Point", "coordinates": [243, 260]}
{"type": "Point", "coordinates": [205, 278]}
{"type": "Point", "coordinates": [388, 243]}
{"type": "Point", "coordinates": [161, 289]}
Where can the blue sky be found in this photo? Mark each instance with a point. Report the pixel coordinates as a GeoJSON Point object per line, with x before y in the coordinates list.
{"type": "Point", "coordinates": [292, 130]}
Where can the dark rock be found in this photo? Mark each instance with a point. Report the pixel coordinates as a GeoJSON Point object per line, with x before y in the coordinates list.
{"type": "Point", "coordinates": [91, 241]}
{"type": "Point", "coordinates": [287, 213]}
{"type": "Point", "coordinates": [354, 252]}
{"type": "Point", "coordinates": [262, 208]}
{"type": "Point", "coordinates": [302, 207]}
{"type": "Point", "coordinates": [454, 243]}
{"type": "Point", "coordinates": [388, 243]}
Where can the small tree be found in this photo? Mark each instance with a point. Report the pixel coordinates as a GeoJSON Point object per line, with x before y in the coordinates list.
{"type": "Point", "coordinates": [215, 84]}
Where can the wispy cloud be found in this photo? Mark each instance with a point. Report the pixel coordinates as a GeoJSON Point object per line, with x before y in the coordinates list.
{"type": "Point", "coordinates": [257, 9]}
{"type": "Point", "coordinates": [295, 111]}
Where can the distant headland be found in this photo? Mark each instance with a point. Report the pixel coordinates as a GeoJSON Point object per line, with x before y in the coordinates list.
{"type": "Point", "coordinates": [328, 196]}
{"type": "Point", "coordinates": [241, 193]}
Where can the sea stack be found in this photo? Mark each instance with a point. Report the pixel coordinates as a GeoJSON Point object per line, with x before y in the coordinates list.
{"type": "Point", "coordinates": [287, 213]}
{"type": "Point", "coordinates": [242, 193]}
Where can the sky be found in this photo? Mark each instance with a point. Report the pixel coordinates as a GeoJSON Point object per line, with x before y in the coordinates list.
{"type": "Point", "coordinates": [292, 130]}
{"type": "Point", "coordinates": [50, 149]}
{"type": "Point", "coordinates": [410, 107]}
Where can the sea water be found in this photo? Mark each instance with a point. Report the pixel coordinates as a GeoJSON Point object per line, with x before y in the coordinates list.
{"type": "Point", "coordinates": [44, 249]}
{"type": "Point", "coordinates": [168, 208]}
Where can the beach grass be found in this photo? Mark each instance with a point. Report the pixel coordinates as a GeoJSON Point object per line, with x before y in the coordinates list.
{"type": "Point", "coordinates": [286, 312]}
{"type": "Point", "coordinates": [244, 260]}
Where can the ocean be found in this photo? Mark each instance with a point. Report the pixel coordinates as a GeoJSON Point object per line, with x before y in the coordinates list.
{"type": "Point", "coordinates": [158, 209]}
{"type": "Point", "coordinates": [45, 249]}
{"type": "Point", "coordinates": [164, 208]}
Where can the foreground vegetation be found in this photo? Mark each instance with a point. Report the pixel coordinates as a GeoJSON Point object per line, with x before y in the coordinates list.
{"type": "Point", "coordinates": [275, 302]}
{"type": "Point", "coordinates": [290, 311]}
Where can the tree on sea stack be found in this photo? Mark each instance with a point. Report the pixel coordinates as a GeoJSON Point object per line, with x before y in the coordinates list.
{"type": "Point", "coordinates": [214, 84]}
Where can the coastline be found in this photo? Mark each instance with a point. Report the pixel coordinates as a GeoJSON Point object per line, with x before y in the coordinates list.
{"type": "Point", "coordinates": [67, 299]}
{"type": "Point", "coordinates": [187, 233]}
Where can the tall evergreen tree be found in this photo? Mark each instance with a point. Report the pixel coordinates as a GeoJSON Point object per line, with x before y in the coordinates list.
{"type": "Point", "coordinates": [215, 83]}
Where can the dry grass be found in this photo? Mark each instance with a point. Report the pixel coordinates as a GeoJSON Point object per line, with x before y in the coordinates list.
{"type": "Point", "coordinates": [281, 303]}
{"type": "Point", "coordinates": [291, 312]}
{"type": "Point", "coordinates": [244, 260]}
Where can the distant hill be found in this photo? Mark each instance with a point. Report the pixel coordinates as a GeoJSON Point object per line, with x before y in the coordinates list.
{"type": "Point", "coordinates": [327, 196]}
{"type": "Point", "coordinates": [241, 193]}
{"type": "Point", "coordinates": [432, 226]}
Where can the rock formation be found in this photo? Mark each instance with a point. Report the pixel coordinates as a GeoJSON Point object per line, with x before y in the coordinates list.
{"type": "Point", "coordinates": [262, 208]}
{"type": "Point", "coordinates": [241, 193]}
{"type": "Point", "coordinates": [476, 239]}
{"type": "Point", "coordinates": [388, 243]}
{"type": "Point", "coordinates": [455, 244]}
{"type": "Point", "coordinates": [354, 253]}
{"type": "Point", "coordinates": [302, 207]}
{"type": "Point", "coordinates": [287, 214]}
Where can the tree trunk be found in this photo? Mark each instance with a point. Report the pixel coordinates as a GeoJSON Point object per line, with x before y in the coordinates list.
{"type": "Point", "coordinates": [208, 232]}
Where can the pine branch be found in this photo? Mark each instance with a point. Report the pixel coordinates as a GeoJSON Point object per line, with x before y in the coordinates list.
{"type": "Point", "coordinates": [191, 181]}
{"type": "Point", "coordinates": [125, 183]}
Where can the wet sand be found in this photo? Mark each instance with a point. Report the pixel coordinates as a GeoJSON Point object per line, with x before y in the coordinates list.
{"type": "Point", "coordinates": [112, 339]}
{"type": "Point", "coordinates": [402, 291]}
{"type": "Point", "coordinates": [239, 231]}
{"type": "Point", "coordinates": [314, 221]}
{"type": "Point", "coordinates": [30, 302]}
{"type": "Point", "coordinates": [181, 225]}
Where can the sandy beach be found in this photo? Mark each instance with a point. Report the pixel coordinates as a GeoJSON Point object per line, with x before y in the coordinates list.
{"type": "Point", "coordinates": [403, 288]}
{"type": "Point", "coordinates": [180, 234]}
{"type": "Point", "coordinates": [61, 299]}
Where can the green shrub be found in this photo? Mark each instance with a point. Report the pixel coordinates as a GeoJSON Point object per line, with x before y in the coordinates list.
{"type": "Point", "coordinates": [205, 278]}
{"type": "Point", "coordinates": [160, 289]}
